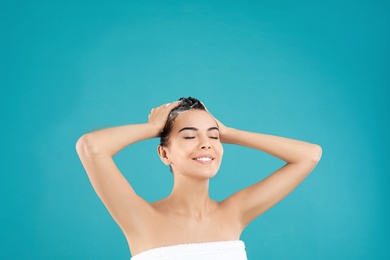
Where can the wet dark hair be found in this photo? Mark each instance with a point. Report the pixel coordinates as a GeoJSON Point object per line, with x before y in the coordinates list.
{"type": "Point", "coordinates": [186, 104]}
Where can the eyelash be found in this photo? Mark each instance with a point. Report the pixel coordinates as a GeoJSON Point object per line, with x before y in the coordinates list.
{"type": "Point", "coordinates": [192, 137]}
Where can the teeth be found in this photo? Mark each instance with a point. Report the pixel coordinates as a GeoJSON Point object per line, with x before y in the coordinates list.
{"type": "Point", "coordinates": [203, 159]}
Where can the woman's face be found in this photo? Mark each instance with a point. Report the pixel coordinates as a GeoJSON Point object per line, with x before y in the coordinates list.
{"type": "Point", "coordinates": [194, 148]}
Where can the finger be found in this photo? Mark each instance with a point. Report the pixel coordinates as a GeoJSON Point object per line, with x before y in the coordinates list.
{"type": "Point", "coordinates": [170, 105]}
{"type": "Point", "coordinates": [165, 105]}
{"type": "Point", "coordinates": [173, 104]}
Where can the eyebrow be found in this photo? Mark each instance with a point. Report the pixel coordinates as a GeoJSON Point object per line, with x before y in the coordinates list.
{"type": "Point", "coordinates": [196, 129]}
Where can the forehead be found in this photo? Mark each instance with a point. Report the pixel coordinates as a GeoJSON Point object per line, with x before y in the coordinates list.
{"type": "Point", "coordinates": [194, 118]}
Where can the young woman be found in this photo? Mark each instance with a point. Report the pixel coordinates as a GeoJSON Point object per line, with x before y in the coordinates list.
{"type": "Point", "coordinates": [188, 224]}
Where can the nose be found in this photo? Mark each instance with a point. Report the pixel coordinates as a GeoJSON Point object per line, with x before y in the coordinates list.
{"type": "Point", "coordinates": [205, 146]}
{"type": "Point", "coordinates": [204, 143]}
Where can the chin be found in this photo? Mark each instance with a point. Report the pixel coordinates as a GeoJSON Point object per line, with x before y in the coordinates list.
{"type": "Point", "coordinates": [205, 174]}
{"type": "Point", "coordinates": [201, 175]}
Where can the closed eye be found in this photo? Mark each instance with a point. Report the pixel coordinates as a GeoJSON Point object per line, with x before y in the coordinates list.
{"type": "Point", "coordinates": [189, 137]}
{"type": "Point", "coordinates": [214, 137]}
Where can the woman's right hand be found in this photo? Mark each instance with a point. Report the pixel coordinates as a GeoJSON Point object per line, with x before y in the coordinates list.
{"type": "Point", "coordinates": [158, 116]}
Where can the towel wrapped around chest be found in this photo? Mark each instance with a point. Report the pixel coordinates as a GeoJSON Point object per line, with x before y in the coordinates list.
{"type": "Point", "coordinates": [223, 250]}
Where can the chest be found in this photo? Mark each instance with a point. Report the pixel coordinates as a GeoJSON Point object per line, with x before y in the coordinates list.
{"type": "Point", "coordinates": [165, 230]}
{"type": "Point", "coordinates": [218, 225]}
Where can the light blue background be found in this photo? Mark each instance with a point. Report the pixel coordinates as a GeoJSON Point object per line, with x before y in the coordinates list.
{"type": "Point", "coordinates": [317, 71]}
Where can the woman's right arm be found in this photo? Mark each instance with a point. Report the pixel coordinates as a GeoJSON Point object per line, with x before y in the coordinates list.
{"type": "Point", "coordinates": [96, 151]}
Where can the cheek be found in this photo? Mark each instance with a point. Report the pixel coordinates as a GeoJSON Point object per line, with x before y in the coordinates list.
{"type": "Point", "coordinates": [219, 148]}
{"type": "Point", "coordinates": [178, 151]}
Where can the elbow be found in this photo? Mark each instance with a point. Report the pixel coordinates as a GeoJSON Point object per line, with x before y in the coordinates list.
{"type": "Point", "coordinates": [310, 159]}
{"type": "Point", "coordinates": [315, 153]}
{"type": "Point", "coordinates": [86, 145]}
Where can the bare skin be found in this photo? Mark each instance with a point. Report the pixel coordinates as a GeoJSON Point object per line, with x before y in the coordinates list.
{"type": "Point", "coordinates": [188, 214]}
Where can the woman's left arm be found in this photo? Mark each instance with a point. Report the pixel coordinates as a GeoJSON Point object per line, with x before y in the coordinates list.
{"type": "Point", "coordinates": [300, 157]}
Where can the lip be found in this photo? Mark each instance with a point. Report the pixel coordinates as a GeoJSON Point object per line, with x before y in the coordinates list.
{"type": "Point", "coordinates": [204, 156]}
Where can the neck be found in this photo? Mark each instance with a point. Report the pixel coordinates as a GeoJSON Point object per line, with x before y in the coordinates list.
{"type": "Point", "coordinates": [191, 197]}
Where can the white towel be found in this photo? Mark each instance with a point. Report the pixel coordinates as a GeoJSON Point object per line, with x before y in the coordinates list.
{"type": "Point", "coordinates": [224, 250]}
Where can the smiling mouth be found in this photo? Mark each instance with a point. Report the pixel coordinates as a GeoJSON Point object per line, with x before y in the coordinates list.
{"type": "Point", "coordinates": [203, 159]}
